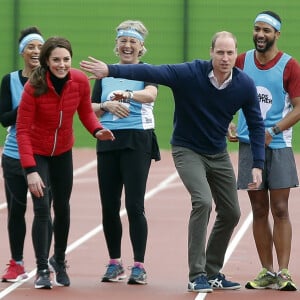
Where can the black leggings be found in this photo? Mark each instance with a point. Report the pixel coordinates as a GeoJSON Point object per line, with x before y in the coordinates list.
{"type": "Point", "coordinates": [128, 168]}
{"type": "Point", "coordinates": [16, 189]}
{"type": "Point", "coordinates": [57, 174]}
{"type": "Point", "coordinates": [16, 196]}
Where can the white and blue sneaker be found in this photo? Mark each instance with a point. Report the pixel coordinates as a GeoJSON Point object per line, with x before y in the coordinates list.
{"type": "Point", "coordinates": [200, 285]}
{"type": "Point", "coordinates": [219, 282]}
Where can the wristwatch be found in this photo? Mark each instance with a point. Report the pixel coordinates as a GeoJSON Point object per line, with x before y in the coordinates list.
{"type": "Point", "coordinates": [276, 130]}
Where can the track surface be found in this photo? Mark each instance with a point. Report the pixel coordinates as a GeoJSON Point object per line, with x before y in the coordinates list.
{"type": "Point", "coordinates": [167, 210]}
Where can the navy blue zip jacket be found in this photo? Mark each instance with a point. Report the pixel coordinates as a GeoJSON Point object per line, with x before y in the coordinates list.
{"type": "Point", "coordinates": [202, 112]}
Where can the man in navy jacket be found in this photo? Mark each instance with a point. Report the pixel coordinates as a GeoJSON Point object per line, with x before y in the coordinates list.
{"type": "Point", "coordinates": [207, 95]}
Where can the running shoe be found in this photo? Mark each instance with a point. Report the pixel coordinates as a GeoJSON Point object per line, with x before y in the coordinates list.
{"type": "Point", "coordinates": [138, 276]}
{"type": "Point", "coordinates": [219, 282]}
{"type": "Point", "coordinates": [114, 272]}
{"type": "Point", "coordinates": [285, 282]}
{"type": "Point", "coordinates": [200, 285]}
{"type": "Point", "coordinates": [264, 280]}
{"type": "Point", "coordinates": [61, 277]}
{"type": "Point", "coordinates": [42, 280]}
{"type": "Point", "coordinates": [14, 272]}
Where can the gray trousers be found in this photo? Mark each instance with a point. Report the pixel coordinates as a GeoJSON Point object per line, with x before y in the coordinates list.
{"type": "Point", "coordinates": [207, 178]}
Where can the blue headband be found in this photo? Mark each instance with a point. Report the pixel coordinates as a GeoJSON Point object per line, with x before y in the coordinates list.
{"type": "Point", "coordinates": [268, 19]}
{"type": "Point", "coordinates": [28, 38]}
{"type": "Point", "coordinates": [130, 32]}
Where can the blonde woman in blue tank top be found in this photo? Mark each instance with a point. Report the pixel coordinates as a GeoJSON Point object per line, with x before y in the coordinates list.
{"type": "Point", "coordinates": [126, 108]}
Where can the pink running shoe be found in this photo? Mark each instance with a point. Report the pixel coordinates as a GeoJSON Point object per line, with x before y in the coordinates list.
{"type": "Point", "coordinates": [14, 272]}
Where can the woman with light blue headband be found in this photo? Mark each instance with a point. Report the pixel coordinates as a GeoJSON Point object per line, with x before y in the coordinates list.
{"type": "Point", "coordinates": [12, 85]}
{"type": "Point", "coordinates": [28, 38]}
{"type": "Point", "coordinates": [126, 107]}
{"type": "Point", "coordinates": [134, 29]}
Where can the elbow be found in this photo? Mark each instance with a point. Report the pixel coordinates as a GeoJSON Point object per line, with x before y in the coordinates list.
{"type": "Point", "coordinates": [151, 99]}
{"type": "Point", "coordinates": [4, 124]}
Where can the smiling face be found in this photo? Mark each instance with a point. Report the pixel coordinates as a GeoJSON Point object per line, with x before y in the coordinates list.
{"type": "Point", "coordinates": [128, 49]}
{"type": "Point", "coordinates": [31, 54]}
{"type": "Point", "coordinates": [264, 36]}
{"type": "Point", "coordinates": [59, 62]}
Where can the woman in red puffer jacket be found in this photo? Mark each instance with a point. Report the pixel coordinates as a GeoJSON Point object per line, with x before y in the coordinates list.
{"type": "Point", "coordinates": [51, 97]}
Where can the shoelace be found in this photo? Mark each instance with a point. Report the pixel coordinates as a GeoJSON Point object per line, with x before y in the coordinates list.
{"type": "Point", "coordinates": [136, 271]}
{"type": "Point", "coordinates": [285, 276]}
{"type": "Point", "coordinates": [111, 268]}
{"type": "Point", "coordinates": [201, 279]}
{"type": "Point", "coordinates": [264, 274]}
{"type": "Point", "coordinates": [62, 267]}
{"type": "Point", "coordinates": [44, 273]}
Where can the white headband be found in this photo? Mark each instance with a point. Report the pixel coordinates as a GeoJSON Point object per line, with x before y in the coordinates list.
{"type": "Point", "coordinates": [268, 19]}
{"type": "Point", "coordinates": [28, 38]}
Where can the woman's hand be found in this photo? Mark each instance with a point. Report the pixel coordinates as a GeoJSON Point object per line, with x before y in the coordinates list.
{"type": "Point", "coordinates": [117, 108]}
{"type": "Point", "coordinates": [104, 135]}
{"type": "Point", "coordinates": [35, 184]}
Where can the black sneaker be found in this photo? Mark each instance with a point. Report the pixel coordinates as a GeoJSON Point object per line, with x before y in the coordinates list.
{"type": "Point", "coordinates": [61, 277]}
{"type": "Point", "coordinates": [42, 280]}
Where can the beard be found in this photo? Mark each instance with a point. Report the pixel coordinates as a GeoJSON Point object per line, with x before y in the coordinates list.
{"type": "Point", "coordinates": [269, 44]}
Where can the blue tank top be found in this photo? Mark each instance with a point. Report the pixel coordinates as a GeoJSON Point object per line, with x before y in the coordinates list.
{"type": "Point", "coordinates": [141, 114]}
{"type": "Point", "coordinates": [10, 145]}
{"type": "Point", "coordinates": [273, 99]}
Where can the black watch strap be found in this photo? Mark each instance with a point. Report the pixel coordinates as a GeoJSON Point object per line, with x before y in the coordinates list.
{"type": "Point", "coordinates": [276, 129]}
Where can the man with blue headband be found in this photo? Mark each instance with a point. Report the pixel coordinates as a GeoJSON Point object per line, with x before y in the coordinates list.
{"type": "Point", "coordinates": [277, 78]}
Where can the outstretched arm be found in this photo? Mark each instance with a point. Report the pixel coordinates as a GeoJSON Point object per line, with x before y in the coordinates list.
{"type": "Point", "coordinates": [97, 68]}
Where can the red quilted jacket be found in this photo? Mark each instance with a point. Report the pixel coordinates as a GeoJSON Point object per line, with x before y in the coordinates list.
{"type": "Point", "coordinates": [45, 123]}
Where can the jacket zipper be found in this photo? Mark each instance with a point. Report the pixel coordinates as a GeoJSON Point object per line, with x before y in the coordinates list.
{"type": "Point", "coordinates": [56, 132]}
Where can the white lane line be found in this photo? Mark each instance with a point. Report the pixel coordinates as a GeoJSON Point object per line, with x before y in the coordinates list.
{"type": "Point", "coordinates": [237, 238]}
{"type": "Point", "coordinates": [161, 186]}
{"type": "Point", "coordinates": [233, 244]}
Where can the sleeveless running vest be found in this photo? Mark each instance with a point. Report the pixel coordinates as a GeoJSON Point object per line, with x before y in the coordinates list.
{"type": "Point", "coordinates": [141, 114]}
{"type": "Point", "coordinates": [273, 99]}
{"type": "Point", "coordinates": [10, 145]}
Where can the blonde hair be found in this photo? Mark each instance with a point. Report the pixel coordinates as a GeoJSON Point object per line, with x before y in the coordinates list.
{"type": "Point", "coordinates": [133, 25]}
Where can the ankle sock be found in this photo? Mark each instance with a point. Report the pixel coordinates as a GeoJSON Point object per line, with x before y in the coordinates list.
{"type": "Point", "coordinates": [138, 265]}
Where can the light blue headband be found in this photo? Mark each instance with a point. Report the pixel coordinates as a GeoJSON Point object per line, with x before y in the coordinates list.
{"type": "Point", "coordinates": [28, 38]}
{"type": "Point", "coordinates": [268, 19]}
{"type": "Point", "coordinates": [130, 32]}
